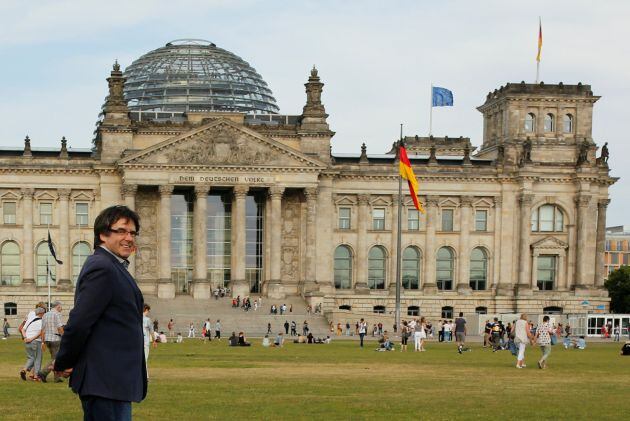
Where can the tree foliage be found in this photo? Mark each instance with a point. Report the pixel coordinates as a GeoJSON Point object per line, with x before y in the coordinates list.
{"type": "Point", "coordinates": [618, 286]}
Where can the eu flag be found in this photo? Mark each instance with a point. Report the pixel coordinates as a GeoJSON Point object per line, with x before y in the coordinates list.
{"type": "Point", "coordinates": [442, 97]}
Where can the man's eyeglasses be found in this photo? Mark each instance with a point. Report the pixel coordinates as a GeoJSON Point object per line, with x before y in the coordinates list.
{"type": "Point", "coordinates": [124, 232]}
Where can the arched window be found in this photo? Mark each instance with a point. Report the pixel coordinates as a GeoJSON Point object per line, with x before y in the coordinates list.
{"type": "Point", "coordinates": [550, 123]}
{"type": "Point", "coordinates": [413, 311]}
{"type": "Point", "coordinates": [343, 267]}
{"type": "Point", "coordinates": [80, 253]}
{"type": "Point", "coordinates": [568, 123]}
{"type": "Point", "coordinates": [378, 309]}
{"type": "Point", "coordinates": [481, 310]}
{"type": "Point", "coordinates": [552, 310]}
{"type": "Point", "coordinates": [46, 265]}
{"type": "Point", "coordinates": [444, 273]}
{"type": "Point", "coordinates": [10, 264]}
{"type": "Point", "coordinates": [376, 268]}
{"type": "Point", "coordinates": [345, 307]}
{"type": "Point", "coordinates": [478, 269]}
{"type": "Point", "coordinates": [411, 268]}
{"type": "Point", "coordinates": [10, 309]}
{"type": "Point", "coordinates": [548, 218]}
{"type": "Point", "coordinates": [447, 312]}
{"type": "Point", "coordinates": [530, 122]}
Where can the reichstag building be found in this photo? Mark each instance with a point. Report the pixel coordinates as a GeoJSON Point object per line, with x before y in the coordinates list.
{"type": "Point", "coordinates": [232, 193]}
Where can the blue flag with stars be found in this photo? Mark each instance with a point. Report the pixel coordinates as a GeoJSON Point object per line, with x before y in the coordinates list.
{"type": "Point", "coordinates": [442, 97]}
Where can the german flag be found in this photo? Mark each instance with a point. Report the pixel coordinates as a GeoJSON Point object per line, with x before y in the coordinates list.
{"type": "Point", "coordinates": [406, 172]}
{"type": "Point", "coordinates": [539, 40]}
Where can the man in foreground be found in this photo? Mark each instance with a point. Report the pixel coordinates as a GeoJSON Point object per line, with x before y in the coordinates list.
{"type": "Point", "coordinates": [53, 329]}
{"type": "Point", "coordinates": [460, 332]}
{"type": "Point", "coordinates": [102, 346]}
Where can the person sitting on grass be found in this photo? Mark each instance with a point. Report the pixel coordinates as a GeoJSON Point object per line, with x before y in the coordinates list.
{"type": "Point", "coordinates": [301, 339]}
{"type": "Point", "coordinates": [384, 343]}
{"type": "Point", "coordinates": [242, 341]}
{"type": "Point", "coordinates": [162, 338]}
{"type": "Point", "coordinates": [625, 349]}
{"type": "Point", "coordinates": [279, 340]}
{"type": "Point", "coordinates": [309, 338]}
{"type": "Point", "coordinates": [233, 340]}
{"type": "Point", "coordinates": [179, 339]}
{"type": "Point", "coordinates": [266, 342]}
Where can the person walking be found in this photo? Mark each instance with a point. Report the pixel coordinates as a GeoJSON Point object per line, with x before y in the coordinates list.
{"type": "Point", "coordinates": [543, 337]}
{"type": "Point", "coordinates": [53, 329]}
{"type": "Point", "coordinates": [5, 329]}
{"type": "Point", "coordinates": [102, 345]}
{"type": "Point", "coordinates": [404, 335]}
{"type": "Point", "coordinates": [268, 328]}
{"type": "Point", "coordinates": [147, 334]}
{"type": "Point", "coordinates": [460, 332]}
{"type": "Point", "coordinates": [293, 328]}
{"type": "Point", "coordinates": [170, 326]}
{"type": "Point", "coordinates": [217, 330]}
{"type": "Point", "coordinates": [191, 330]}
{"type": "Point", "coordinates": [362, 331]}
{"type": "Point", "coordinates": [286, 327]}
{"type": "Point", "coordinates": [522, 335]}
{"type": "Point", "coordinates": [33, 332]}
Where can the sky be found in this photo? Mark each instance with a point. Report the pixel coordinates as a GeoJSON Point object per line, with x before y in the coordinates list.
{"type": "Point", "coordinates": [377, 60]}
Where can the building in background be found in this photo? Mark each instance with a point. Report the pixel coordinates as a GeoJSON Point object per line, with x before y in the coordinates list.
{"type": "Point", "coordinates": [617, 250]}
{"type": "Point", "coordinates": [231, 193]}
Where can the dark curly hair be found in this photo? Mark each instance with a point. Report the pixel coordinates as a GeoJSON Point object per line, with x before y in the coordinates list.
{"type": "Point", "coordinates": [109, 216]}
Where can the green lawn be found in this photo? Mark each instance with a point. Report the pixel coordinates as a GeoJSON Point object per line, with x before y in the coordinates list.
{"type": "Point", "coordinates": [340, 381]}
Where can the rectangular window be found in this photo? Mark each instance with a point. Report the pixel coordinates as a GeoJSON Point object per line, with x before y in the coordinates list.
{"type": "Point", "coordinates": [9, 211]}
{"type": "Point", "coordinates": [607, 245]}
{"type": "Point", "coordinates": [625, 259]}
{"type": "Point", "coordinates": [619, 245]}
{"type": "Point", "coordinates": [413, 220]}
{"type": "Point", "coordinates": [344, 218]}
{"type": "Point", "coordinates": [614, 258]}
{"type": "Point", "coordinates": [81, 212]}
{"type": "Point", "coordinates": [447, 219]}
{"type": "Point", "coordinates": [481, 220]}
{"type": "Point", "coordinates": [378, 219]}
{"type": "Point", "coordinates": [45, 213]}
{"type": "Point", "coordinates": [546, 273]}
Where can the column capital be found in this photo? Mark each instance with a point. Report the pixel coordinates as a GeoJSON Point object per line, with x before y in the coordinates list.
{"type": "Point", "coordinates": [363, 199]}
{"type": "Point", "coordinates": [498, 201]}
{"type": "Point", "coordinates": [240, 191]}
{"type": "Point", "coordinates": [129, 189]}
{"type": "Point", "coordinates": [396, 199]}
{"type": "Point", "coordinates": [583, 200]}
{"type": "Point", "coordinates": [311, 193]}
{"type": "Point", "coordinates": [276, 192]}
{"type": "Point", "coordinates": [526, 199]}
{"type": "Point", "coordinates": [433, 200]}
{"type": "Point", "coordinates": [603, 203]}
{"type": "Point", "coordinates": [201, 190]}
{"type": "Point", "coordinates": [166, 189]}
{"type": "Point", "coordinates": [27, 193]}
{"type": "Point", "coordinates": [64, 194]}
{"type": "Point", "coordinates": [466, 200]}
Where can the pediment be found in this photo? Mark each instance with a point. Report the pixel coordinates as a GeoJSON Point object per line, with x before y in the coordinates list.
{"type": "Point", "coordinates": [379, 201]}
{"type": "Point", "coordinates": [344, 200]}
{"type": "Point", "coordinates": [44, 196]}
{"type": "Point", "coordinates": [81, 196]}
{"type": "Point", "coordinates": [9, 195]}
{"type": "Point", "coordinates": [448, 203]}
{"type": "Point", "coordinates": [483, 203]}
{"type": "Point", "coordinates": [550, 243]}
{"type": "Point", "coordinates": [222, 143]}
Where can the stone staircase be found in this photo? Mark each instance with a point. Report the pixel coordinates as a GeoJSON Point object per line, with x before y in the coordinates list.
{"type": "Point", "coordinates": [183, 309]}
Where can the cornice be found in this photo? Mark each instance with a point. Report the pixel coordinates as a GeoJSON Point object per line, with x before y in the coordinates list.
{"type": "Point", "coordinates": [179, 168]}
{"type": "Point", "coordinates": [67, 170]}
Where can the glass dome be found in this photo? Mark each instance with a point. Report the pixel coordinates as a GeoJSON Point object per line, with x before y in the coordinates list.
{"type": "Point", "coordinates": [195, 75]}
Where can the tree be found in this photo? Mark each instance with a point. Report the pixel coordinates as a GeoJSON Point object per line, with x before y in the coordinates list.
{"type": "Point", "coordinates": [618, 286]}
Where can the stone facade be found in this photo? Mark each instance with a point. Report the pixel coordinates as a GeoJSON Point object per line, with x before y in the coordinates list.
{"type": "Point", "coordinates": [537, 159]}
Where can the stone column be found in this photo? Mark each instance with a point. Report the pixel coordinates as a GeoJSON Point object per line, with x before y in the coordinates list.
{"type": "Point", "coordinates": [430, 285]}
{"type": "Point", "coordinates": [275, 290]}
{"type": "Point", "coordinates": [600, 274]}
{"type": "Point", "coordinates": [63, 253]}
{"type": "Point", "coordinates": [496, 271]}
{"type": "Point", "coordinates": [128, 192]}
{"type": "Point", "coordinates": [508, 266]}
{"type": "Point", "coordinates": [166, 287]}
{"type": "Point", "coordinates": [325, 225]}
{"type": "Point", "coordinates": [361, 263]}
{"type": "Point", "coordinates": [238, 283]}
{"type": "Point", "coordinates": [540, 122]}
{"type": "Point", "coordinates": [571, 257]}
{"type": "Point", "coordinates": [27, 236]}
{"type": "Point", "coordinates": [462, 283]}
{"type": "Point", "coordinates": [534, 272]}
{"type": "Point", "coordinates": [524, 264]}
{"type": "Point", "coordinates": [393, 243]}
{"type": "Point", "coordinates": [583, 259]}
{"type": "Point", "coordinates": [201, 287]}
{"type": "Point", "coordinates": [310, 284]}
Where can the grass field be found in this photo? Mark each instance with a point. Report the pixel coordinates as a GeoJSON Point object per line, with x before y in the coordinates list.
{"type": "Point", "coordinates": [193, 380]}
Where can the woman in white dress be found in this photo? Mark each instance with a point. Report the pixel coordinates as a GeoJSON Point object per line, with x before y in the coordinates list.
{"type": "Point", "coordinates": [423, 333]}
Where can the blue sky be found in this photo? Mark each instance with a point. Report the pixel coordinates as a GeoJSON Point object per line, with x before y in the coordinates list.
{"type": "Point", "coordinates": [377, 60]}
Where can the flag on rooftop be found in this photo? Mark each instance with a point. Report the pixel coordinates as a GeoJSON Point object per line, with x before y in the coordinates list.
{"type": "Point", "coordinates": [406, 172]}
{"type": "Point", "coordinates": [52, 250]}
{"type": "Point", "coordinates": [441, 97]}
{"type": "Point", "coordinates": [539, 40]}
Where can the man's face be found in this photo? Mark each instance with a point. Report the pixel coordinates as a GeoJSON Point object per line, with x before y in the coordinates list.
{"type": "Point", "coordinates": [121, 245]}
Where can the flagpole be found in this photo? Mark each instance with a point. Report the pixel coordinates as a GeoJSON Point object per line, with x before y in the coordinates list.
{"type": "Point", "coordinates": [399, 238]}
{"type": "Point", "coordinates": [431, 110]}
